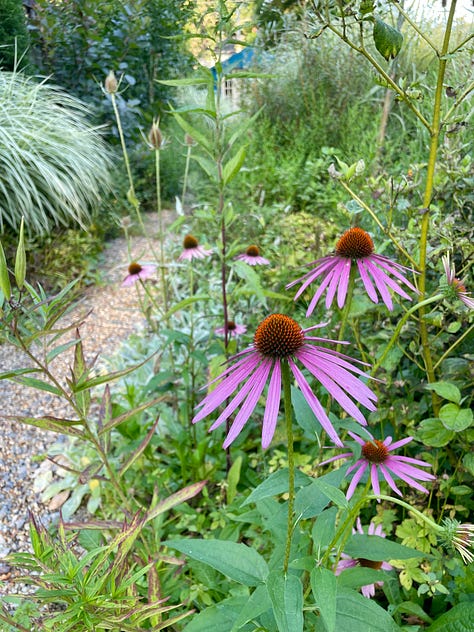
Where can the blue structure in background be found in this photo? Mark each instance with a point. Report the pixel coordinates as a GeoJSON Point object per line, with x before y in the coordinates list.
{"type": "Point", "coordinates": [237, 61]}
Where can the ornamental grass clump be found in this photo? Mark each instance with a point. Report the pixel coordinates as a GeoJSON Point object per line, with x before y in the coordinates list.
{"type": "Point", "coordinates": [54, 164]}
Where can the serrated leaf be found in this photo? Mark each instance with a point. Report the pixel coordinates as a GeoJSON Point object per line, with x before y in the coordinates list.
{"type": "Point", "coordinates": [238, 561]}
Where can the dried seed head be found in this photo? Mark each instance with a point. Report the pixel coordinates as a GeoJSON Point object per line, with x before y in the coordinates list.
{"type": "Point", "coordinates": [110, 83]}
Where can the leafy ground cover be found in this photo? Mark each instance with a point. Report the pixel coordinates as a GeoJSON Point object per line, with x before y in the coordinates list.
{"type": "Point", "coordinates": [287, 447]}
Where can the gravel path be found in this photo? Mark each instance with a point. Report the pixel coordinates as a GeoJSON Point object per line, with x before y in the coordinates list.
{"type": "Point", "coordinates": [111, 314]}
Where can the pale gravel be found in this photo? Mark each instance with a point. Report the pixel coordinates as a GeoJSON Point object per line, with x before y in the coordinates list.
{"type": "Point", "coordinates": [110, 313]}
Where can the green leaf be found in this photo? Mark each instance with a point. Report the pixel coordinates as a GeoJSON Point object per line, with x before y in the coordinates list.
{"type": "Point", "coordinates": [446, 390]}
{"type": "Point", "coordinates": [54, 424]}
{"type": "Point", "coordinates": [184, 304]}
{"type": "Point", "coordinates": [432, 432]}
{"type": "Point", "coordinates": [233, 166]}
{"type": "Point", "coordinates": [312, 499]}
{"type": "Point", "coordinates": [20, 260]}
{"type": "Point", "coordinates": [324, 529]}
{"type": "Point", "coordinates": [237, 561]}
{"type": "Point", "coordinates": [324, 587]}
{"type": "Point", "coordinates": [455, 418]}
{"type": "Point", "coordinates": [356, 613]}
{"type": "Point", "coordinates": [387, 39]}
{"type": "Point", "coordinates": [276, 483]}
{"type": "Point", "coordinates": [258, 603]}
{"type": "Point", "coordinates": [409, 607]}
{"type": "Point", "coordinates": [175, 499]}
{"type": "Point", "coordinates": [109, 377]}
{"type": "Point", "coordinates": [198, 136]}
{"type": "Point", "coordinates": [39, 385]}
{"type": "Point", "coordinates": [286, 595]}
{"type": "Point", "coordinates": [139, 450]}
{"type": "Point", "coordinates": [304, 416]}
{"type": "Point", "coordinates": [360, 576]}
{"type": "Point", "coordinates": [116, 421]}
{"type": "Point", "coordinates": [5, 285]}
{"type": "Point", "coordinates": [468, 462]}
{"type": "Point", "coordinates": [233, 479]}
{"type": "Point", "coordinates": [376, 548]}
{"type": "Point", "coordinates": [186, 81]}
{"type": "Point", "coordinates": [60, 349]}
{"type": "Point", "coordinates": [218, 618]}
{"type": "Point", "coordinates": [458, 619]}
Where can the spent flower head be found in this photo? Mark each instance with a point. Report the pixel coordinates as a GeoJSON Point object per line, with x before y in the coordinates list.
{"type": "Point", "coordinates": [233, 329]}
{"type": "Point", "coordinates": [253, 257]}
{"type": "Point", "coordinates": [377, 458]}
{"type": "Point", "coordinates": [459, 536]}
{"type": "Point", "coordinates": [192, 249]}
{"type": "Point", "coordinates": [454, 287]}
{"type": "Point", "coordinates": [354, 248]}
{"type": "Point", "coordinates": [138, 272]}
{"type": "Point", "coordinates": [348, 562]}
{"type": "Point", "coordinates": [280, 339]}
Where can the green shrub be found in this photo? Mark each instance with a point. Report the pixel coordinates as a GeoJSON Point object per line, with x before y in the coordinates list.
{"type": "Point", "coordinates": [54, 165]}
{"type": "Point", "coordinates": [13, 34]}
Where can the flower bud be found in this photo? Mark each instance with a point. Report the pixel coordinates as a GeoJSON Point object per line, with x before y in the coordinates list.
{"type": "Point", "coordinates": [155, 137]}
{"type": "Point", "coordinates": [387, 39]}
{"type": "Point", "coordinates": [20, 261]}
{"type": "Point", "coordinates": [189, 140]}
{"type": "Point", "coordinates": [4, 276]}
{"type": "Point", "coordinates": [110, 83]}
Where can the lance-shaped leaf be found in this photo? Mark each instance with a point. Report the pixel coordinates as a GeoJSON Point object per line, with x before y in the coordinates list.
{"type": "Point", "coordinates": [116, 421]}
{"type": "Point", "coordinates": [286, 594]}
{"type": "Point", "coordinates": [54, 424]}
{"type": "Point", "coordinates": [198, 136]}
{"type": "Point", "coordinates": [177, 498]}
{"type": "Point", "coordinates": [5, 285]}
{"type": "Point", "coordinates": [139, 450]}
{"type": "Point", "coordinates": [83, 384]}
{"type": "Point", "coordinates": [233, 166]}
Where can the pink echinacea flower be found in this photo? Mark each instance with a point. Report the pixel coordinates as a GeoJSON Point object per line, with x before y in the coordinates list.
{"type": "Point", "coordinates": [192, 249]}
{"type": "Point", "coordinates": [348, 562]}
{"type": "Point", "coordinates": [456, 287]}
{"type": "Point", "coordinates": [233, 329]}
{"type": "Point", "coordinates": [252, 257]}
{"type": "Point", "coordinates": [377, 458]}
{"type": "Point", "coordinates": [354, 247]}
{"type": "Point", "coordinates": [279, 339]}
{"type": "Point", "coordinates": [137, 272]}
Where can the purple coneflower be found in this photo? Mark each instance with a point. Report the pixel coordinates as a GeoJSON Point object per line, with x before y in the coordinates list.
{"type": "Point", "coordinates": [252, 257]}
{"type": "Point", "coordinates": [233, 329]}
{"type": "Point", "coordinates": [192, 249]}
{"type": "Point", "coordinates": [348, 562]}
{"type": "Point", "coordinates": [376, 455]}
{"type": "Point", "coordinates": [279, 339]}
{"type": "Point", "coordinates": [355, 246]}
{"type": "Point", "coordinates": [456, 288]}
{"type": "Point", "coordinates": [137, 272]}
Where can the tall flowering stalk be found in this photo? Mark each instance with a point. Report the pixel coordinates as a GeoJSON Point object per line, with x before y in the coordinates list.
{"type": "Point", "coordinates": [280, 344]}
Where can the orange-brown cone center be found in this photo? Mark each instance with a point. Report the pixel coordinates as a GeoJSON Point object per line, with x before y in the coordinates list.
{"type": "Point", "coordinates": [253, 251]}
{"type": "Point", "coordinates": [190, 242]}
{"type": "Point", "coordinates": [134, 268]}
{"type": "Point", "coordinates": [355, 243]}
{"type": "Point", "coordinates": [375, 451]}
{"type": "Point", "coordinates": [278, 336]}
{"type": "Point", "coordinates": [231, 325]}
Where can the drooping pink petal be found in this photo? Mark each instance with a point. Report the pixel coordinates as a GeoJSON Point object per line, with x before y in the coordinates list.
{"type": "Point", "coordinates": [260, 376]}
{"type": "Point", "coordinates": [394, 269]}
{"type": "Point", "coordinates": [325, 263]}
{"type": "Point", "coordinates": [336, 277]}
{"type": "Point", "coordinates": [388, 281]}
{"type": "Point", "coordinates": [315, 405]}
{"type": "Point", "coordinates": [389, 479]}
{"type": "Point", "coordinates": [234, 403]}
{"type": "Point", "coordinates": [398, 444]}
{"type": "Point", "coordinates": [380, 284]}
{"type": "Point", "coordinates": [374, 475]}
{"type": "Point", "coordinates": [320, 291]}
{"type": "Point", "coordinates": [343, 283]}
{"type": "Point", "coordinates": [356, 478]}
{"type": "Point", "coordinates": [369, 286]}
{"type": "Point", "coordinates": [272, 406]}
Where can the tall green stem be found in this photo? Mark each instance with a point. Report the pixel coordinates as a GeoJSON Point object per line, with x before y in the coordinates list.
{"type": "Point", "coordinates": [286, 381]}
{"type": "Point", "coordinates": [425, 222]}
{"type": "Point", "coordinates": [164, 287]}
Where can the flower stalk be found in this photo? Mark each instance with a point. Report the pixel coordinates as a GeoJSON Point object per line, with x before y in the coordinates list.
{"type": "Point", "coordinates": [286, 383]}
